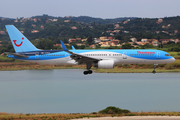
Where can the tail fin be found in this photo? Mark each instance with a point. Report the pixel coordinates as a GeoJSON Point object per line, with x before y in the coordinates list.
{"type": "Point", "coordinates": [63, 46]}
{"type": "Point", "coordinates": [19, 41]}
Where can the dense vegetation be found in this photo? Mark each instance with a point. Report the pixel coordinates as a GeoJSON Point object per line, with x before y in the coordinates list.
{"type": "Point", "coordinates": [113, 110]}
{"type": "Point", "coordinates": [88, 27]}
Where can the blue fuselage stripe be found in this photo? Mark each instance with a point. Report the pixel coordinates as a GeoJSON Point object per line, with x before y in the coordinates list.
{"type": "Point", "coordinates": [56, 54]}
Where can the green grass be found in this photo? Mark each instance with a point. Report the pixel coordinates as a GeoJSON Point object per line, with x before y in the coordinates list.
{"type": "Point", "coordinates": [174, 54]}
{"type": "Point", "coordinates": [59, 116]}
{"type": "Point", "coordinates": [129, 70]}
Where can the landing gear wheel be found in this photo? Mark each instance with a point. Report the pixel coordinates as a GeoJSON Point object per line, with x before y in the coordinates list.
{"type": "Point", "coordinates": [153, 71]}
{"type": "Point", "coordinates": [154, 68]}
{"type": "Point", "coordinates": [88, 72]}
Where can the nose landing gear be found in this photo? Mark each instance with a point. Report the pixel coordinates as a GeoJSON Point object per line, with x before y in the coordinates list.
{"type": "Point", "coordinates": [154, 71]}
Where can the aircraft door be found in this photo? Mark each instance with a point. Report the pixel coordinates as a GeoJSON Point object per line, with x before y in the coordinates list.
{"type": "Point", "coordinates": [37, 56]}
{"type": "Point", "coordinates": [124, 55]}
{"type": "Point", "coordinates": [158, 55]}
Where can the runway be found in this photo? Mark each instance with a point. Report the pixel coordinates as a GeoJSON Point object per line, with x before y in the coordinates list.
{"type": "Point", "coordinates": [135, 118]}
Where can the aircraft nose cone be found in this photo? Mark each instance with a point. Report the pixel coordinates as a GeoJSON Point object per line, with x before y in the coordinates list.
{"type": "Point", "coordinates": [173, 59]}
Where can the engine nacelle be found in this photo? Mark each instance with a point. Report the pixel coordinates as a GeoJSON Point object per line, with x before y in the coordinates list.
{"type": "Point", "coordinates": [105, 64]}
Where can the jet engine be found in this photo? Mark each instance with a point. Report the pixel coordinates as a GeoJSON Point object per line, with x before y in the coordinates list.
{"type": "Point", "coordinates": [105, 64]}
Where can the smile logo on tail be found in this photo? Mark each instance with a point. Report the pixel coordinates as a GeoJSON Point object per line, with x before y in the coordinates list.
{"type": "Point", "coordinates": [18, 45]}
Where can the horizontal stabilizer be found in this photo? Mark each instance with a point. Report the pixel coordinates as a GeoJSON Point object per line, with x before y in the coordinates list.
{"type": "Point", "coordinates": [73, 48]}
{"type": "Point", "coordinates": [18, 55]}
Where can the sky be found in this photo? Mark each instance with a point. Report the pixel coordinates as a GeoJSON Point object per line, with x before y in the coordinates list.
{"type": "Point", "coordinates": [93, 8]}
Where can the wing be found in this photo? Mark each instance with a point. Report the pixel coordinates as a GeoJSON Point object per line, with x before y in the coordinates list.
{"type": "Point", "coordinates": [81, 59]}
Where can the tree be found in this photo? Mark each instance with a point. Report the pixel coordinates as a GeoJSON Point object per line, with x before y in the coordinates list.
{"type": "Point", "coordinates": [82, 46]}
{"type": "Point", "coordinates": [171, 42]}
{"type": "Point", "coordinates": [45, 44]}
{"type": "Point", "coordinates": [127, 46]}
{"type": "Point", "coordinates": [147, 45]}
{"type": "Point", "coordinates": [118, 36]}
{"type": "Point", "coordinates": [90, 40]}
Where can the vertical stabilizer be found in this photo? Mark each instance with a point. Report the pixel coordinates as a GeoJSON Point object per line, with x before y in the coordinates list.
{"type": "Point", "coordinates": [19, 41]}
{"type": "Point", "coordinates": [63, 46]}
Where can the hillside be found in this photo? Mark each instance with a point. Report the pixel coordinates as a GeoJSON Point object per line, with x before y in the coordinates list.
{"type": "Point", "coordinates": [63, 28]}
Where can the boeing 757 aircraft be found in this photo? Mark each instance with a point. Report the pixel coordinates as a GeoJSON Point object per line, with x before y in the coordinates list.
{"type": "Point", "coordinates": [106, 59]}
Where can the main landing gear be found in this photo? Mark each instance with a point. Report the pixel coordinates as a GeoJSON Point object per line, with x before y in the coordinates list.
{"type": "Point", "coordinates": [88, 67]}
{"type": "Point", "coordinates": [154, 71]}
{"type": "Point", "coordinates": [88, 72]}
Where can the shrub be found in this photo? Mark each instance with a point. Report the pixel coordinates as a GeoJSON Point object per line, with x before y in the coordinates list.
{"type": "Point", "coordinates": [169, 66]}
{"type": "Point", "coordinates": [94, 113]}
{"type": "Point", "coordinates": [178, 53]}
{"type": "Point", "coordinates": [113, 110]}
{"type": "Point", "coordinates": [140, 65]}
{"type": "Point", "coordinates": [176, 65]}
{"type": "Point", "coordinates": [119, 65]}
{"type": "Point", "coordinates": [161, 65]}
{"type": "Point", "coordinates": [127, 66]}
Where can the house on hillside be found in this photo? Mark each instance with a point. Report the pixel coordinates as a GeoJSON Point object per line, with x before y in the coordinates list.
{"type": "Point", "coordinates": [105, 44]}
{"type": "Point", "coordinates": [115, 42]}
{"type": "Point", "coordinates": [84, 40]}
{"type": "Point", "coordinates": [103, 38]}
{"type": "Point", "coordinates": [42, 27]}
{"type": "Point", "coordinates": [35, 20]}
{"type": "Point", "coordinates": [72, 40]}
{"type": "Point", "coordinates": [97, 40]}
{"type": "Point", "coordinates": [34, 31]}
{"type": "Point", "coordinates": [110, 38]}
{"type": "Point", "coordinates": [2, 32]}
{"type": "Point", "coordinates": [66, 21]}
{"type": "Point", "coordinates": [74, 28]}
{"type": "Point", "coordinates": [57, 45]}
{"type": "Point", "coordinates": [78, 38]}
{"type": "Point", "coordinates": [176, 40]}
{"type": "Point", "coordinates": [144, 40]}
{"type": "Point", "coordinates": [79, 44]}
{"type": "Point", "coordinates": [141, 43]}
{"type": "Point", "coordinates": [92, 46]}
{"type": "Point", "coordinates": [153, 42]}
{"type": "Point", "coordinates": [165, 41]}
{"type": "Point", "coordinates": [133, 39]}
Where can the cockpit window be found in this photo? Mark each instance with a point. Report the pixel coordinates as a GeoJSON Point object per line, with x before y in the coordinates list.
{"type": "Point", "coordinates": [166, 54]}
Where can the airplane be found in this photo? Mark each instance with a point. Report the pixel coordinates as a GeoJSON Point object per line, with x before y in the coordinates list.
{"type": "Point", "coordinates": [105, 58]}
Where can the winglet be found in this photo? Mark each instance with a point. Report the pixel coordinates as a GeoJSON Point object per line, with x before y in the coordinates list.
{"type": "Point", "coordinates": [73, 48]}
{"type": "Point", "coordinates": [63, 46]}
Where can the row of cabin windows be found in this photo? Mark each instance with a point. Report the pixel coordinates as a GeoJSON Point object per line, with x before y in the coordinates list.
{"type": "Point", "coordinates": [54, 55]}
{"type": "Point", "coordinates": [106, 55]}
{"type": "Point", "coordinates": [102, 54]}
{"type": "Point", "coordinates": [87, 55]}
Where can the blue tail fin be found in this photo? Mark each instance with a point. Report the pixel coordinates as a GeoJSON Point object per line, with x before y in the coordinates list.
{"type": "Point", "coordinates": [19, 41]}
{"type": "Point", "coordinates": [63, 46]}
